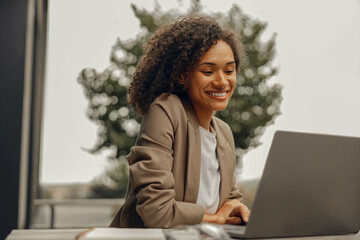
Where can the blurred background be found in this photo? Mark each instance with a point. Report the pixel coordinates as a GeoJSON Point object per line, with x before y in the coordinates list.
{"type": "Point", "coordinates": [301, 74]}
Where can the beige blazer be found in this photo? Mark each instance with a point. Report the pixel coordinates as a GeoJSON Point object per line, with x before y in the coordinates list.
{"type": "Point", "coordinates": [164, 167]}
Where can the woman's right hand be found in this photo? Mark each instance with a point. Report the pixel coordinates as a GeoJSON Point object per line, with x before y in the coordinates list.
{"type": "Point", "coordinates": [232, 212]}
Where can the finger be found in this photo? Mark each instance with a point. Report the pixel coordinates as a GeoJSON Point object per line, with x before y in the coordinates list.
{"type": "Point", "coordinates": [226, 209]}
{"type": "Point", "coordinates": [233, 220]}
{"type": "Point", "coordinates": [237, 210]}
{"type": "Point", "coordinates": [242, 211]}
{"type": "Point", "coordinates": [245, 213]}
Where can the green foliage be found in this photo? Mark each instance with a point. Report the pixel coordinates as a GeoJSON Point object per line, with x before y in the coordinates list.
{"type": "Point", "coordinates": [254, 105]}
{"type": "Point", "coordinates": [113, 183]}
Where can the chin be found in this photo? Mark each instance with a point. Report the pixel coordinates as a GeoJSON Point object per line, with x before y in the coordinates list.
{"type": "Point", "coordinates": [219, 108]}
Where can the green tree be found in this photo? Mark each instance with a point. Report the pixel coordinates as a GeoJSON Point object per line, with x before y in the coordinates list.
{"type": "Point", "coordinates": [254, 105]}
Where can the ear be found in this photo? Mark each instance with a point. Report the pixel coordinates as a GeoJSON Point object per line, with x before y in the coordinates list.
{"type": "Point", "coordinates": [182, 80]}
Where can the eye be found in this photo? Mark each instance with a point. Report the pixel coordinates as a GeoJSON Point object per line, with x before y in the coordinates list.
{"type": "Point", "coordinates": [229, 72]}
{"type": "Point", "coordinates": [207, 73]}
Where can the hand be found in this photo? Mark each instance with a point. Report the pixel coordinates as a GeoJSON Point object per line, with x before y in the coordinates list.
{"type": "Point", "coordinates": [232, 212]}
{"type": "Point", "coordinates": [235, 211]}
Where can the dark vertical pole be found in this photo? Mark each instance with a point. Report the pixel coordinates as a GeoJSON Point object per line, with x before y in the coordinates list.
{"type": "Point", "coordinates": [23, 25]}
{"type": "Point", "coordinates": [52, 219]}
{"type": "Point", "coordinates": [37, 93]}
{"type": "Point", "coordinates": [13, 23]}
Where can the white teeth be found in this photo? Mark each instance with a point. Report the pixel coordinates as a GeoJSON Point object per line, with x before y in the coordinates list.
{"type": "Point", "coordinates": [217, 94]}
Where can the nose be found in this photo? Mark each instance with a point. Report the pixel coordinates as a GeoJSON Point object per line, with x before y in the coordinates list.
{"type": "Point", "coordinates": [220, 81]}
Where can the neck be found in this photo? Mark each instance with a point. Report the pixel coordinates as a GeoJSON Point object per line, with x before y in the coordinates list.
{"type": "Point", "coordinates": [204, 118]}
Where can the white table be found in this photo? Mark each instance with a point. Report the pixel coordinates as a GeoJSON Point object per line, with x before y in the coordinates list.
{"type": "Point", "coordinates": [70, 234]}
{"type": "Point", "coordinates": [42, 234]}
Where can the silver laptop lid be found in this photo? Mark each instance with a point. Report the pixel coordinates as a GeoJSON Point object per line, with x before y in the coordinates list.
{"type": "Point", "coordinates": [310, 186]}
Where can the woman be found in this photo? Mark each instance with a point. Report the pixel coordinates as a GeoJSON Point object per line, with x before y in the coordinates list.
{"type": "Point", "coordinates": [182, 164]}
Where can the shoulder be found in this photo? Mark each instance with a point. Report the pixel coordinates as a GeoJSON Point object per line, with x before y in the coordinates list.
{"type": "Point", "coordinates": [167, 101]}
{"type": "Point", "coordinates": [170, 105]}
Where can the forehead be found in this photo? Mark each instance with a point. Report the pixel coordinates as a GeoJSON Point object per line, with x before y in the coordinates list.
{"type": "Point", "coordinates": [219, 52]}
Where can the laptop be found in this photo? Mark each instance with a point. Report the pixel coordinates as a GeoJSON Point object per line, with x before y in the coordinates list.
{"type": "Point", "coordinates": [310, 187]}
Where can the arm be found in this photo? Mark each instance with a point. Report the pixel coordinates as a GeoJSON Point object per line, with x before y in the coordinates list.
{"type": "Point", "coordinates": [151, 177]}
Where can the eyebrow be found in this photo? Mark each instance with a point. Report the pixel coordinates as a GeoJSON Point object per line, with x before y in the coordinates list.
{"type": "Point", "coordinates": [214, 64]}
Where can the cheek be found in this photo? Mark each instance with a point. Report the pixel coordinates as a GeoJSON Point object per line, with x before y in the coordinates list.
{"type": "Point", "coordinates": [233, 85]}
{"type": "Point", "coordinates": [199, 84]}
{"type": "Point", "coordinates": [233, 82]}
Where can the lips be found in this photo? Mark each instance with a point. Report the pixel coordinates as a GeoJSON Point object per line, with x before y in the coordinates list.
{"type": "Point", "coordinates": [217, 94]}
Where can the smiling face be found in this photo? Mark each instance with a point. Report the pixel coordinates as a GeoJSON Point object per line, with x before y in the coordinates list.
{"type": "Point", "coordinates": [213, 81]}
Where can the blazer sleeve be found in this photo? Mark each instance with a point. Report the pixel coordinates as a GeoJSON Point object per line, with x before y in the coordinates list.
{"type": "Point", "coordinates": [151, 178]}
{"type": "Point", "coordinates": [235, 192]}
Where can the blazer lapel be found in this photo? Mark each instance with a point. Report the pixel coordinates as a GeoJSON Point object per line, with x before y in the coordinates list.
{"type": "Point", "coordinates": [193, 155]}
{"type": "Point", "coordinates": [225, 162]}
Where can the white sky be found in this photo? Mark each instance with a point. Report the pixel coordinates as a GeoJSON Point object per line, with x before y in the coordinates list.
{"type": "Point", "coordinates": [318, 53]}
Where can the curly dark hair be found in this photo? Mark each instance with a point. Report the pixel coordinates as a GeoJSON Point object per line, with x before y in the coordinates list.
{"type": "Point", "coordinates": [171, 56]}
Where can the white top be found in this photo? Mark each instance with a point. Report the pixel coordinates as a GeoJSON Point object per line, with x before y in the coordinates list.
{"type": "Point", "coordinates": [209, 188]}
